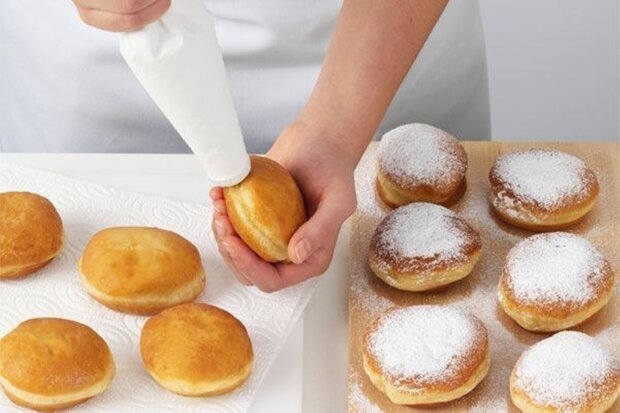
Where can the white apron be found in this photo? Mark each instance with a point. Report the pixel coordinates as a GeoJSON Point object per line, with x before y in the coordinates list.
{"type": "Point", "coordinates": [65, 88]}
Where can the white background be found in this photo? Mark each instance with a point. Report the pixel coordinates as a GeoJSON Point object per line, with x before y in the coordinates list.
{"type": "Point", "coordinates": [553, 68]}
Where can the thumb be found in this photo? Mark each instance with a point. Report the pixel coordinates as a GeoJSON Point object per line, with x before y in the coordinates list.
{"type": "Point", "coordinates": [321, 230]}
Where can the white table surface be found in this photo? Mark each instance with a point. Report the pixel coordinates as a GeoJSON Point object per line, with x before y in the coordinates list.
{"type": "Point", "coordinates": [311, 373]}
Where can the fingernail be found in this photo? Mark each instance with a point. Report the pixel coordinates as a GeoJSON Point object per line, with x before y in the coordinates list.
{"type": "Point", "coordinates": [302, 250]}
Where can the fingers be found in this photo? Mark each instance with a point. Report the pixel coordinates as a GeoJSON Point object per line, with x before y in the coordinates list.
{"type": "Point", "coordinates": [247, 267]}
{"type": "Point", "coordinates": [321, 230]}
{"type": "Point", "coordinates": [288, 274]}
{"type": "Point", "coordinates": [230, 264]}
{"type": "Point", "coordinates": [216, 193]}
{"type": "Point", "coordinates": [222, 229]}
{"type": "Point", "coordinates": [115, 6]}
{"type": "Point", "coordinates": [315, 265]}
{"type": "Point", "coordinates": [311, 247]}
{"type": "Point", "coordinates": [121, 15]}
{"type": "Point", "coordinates": [220, 207]}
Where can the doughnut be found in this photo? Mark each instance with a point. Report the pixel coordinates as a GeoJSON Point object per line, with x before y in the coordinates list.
{"type": "Point", "coordinates": [48, 364]}
{"type": "Point", "coordinates": [423, 246]}
{"type": "Point", "coordinates": [266, 209]}
{"type": "Point", "coordinates": [554, 281]}
{"type": "Point", "coordinates": [425, 354]}
{"type": "Point", "coordinates": [570, 372]}
{"type": "Point", "coordinates": [542, 189]}
{"type": "Point", "coordinates": [196, 350]}
{"type": "Point", "coordinates": [31, 233]}
{"type": "Point", "coordinates": [420, 163]}
{"type": "Point", "coordinates": [141, 270]}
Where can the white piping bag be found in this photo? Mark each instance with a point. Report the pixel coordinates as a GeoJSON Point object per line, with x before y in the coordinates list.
{"type": "Point", "coordinates": [178, 61]}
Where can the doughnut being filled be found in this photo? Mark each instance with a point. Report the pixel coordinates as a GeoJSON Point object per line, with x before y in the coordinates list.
{"type": "Point", "coordinates": [266, 209]}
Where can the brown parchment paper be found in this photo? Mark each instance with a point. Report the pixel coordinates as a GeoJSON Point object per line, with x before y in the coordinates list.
{"type": "Point", "coordinates": [369, 296]}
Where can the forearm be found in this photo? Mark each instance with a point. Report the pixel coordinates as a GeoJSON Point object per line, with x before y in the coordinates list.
{"type": "Point", "coordinates": [373, 46]}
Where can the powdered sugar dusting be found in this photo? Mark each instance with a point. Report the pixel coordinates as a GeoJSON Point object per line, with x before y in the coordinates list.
{"type": "Point", "coordinates": [565, 370]}
{"type": "Point", "coordinates": [365, 297]}
{"type": "Point", "coordinates": [421, 154]}
{"type": "Point", "coordinates": [545, 177]}
{"type": "Point", "coordinates": [424, 343]}
{"type": "Point", "coordinates": [367, 197]}
{"type": "Point", "coordinates": [360, 402]}
{"type": "Point", "coordinates": [422, 231]}
{"type": "Point", "coordinates": [554, 267]}
{"type": "Point", "coordinates": [361, 292]}
{"type": "Point", "coordinates": [369, 297]}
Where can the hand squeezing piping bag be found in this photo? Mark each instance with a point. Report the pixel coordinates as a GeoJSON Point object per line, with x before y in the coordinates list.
{"type": "Point", "coordinates": [178, 61]}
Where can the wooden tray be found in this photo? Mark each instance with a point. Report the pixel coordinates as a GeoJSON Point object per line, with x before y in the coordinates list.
{"type": "Point", "coordinates": [369, 296]}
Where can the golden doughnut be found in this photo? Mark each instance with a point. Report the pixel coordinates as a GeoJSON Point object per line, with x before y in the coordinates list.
{"type": "Point", "coordinates": [542, 189]}
{"type": "Point", "coordinates": [568, 372]}
{"type": "Point", "coordinates": [422, 246]}
{"type": "Point", "coordinates": [420, 163]}
{"type": "Point", "coordinates": [554, 281]}
{"type": "Point", "coordinates": [266, 209]}
{"type": "Point", "coordinates": [31, 233]}
{"type": "Point", "coordinates": [141, 270]}
{"type": "Point", "coordinates": [196, 350]}
{"type": "Point", "coordinates": [425, 354]}
{"type": "Point", "coordinates": [49, 364]}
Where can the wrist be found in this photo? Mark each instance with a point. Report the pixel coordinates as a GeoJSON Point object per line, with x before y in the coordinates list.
{"type": "Point", "coordinates": [328, 123]}
{"type": "Point", "coordinates": [315, 133]}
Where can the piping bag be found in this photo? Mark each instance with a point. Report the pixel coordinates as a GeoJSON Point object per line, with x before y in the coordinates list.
{"type": "Point", "coordinates": [178, 61]}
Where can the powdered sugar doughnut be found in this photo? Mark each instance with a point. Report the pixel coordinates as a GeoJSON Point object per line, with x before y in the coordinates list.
{"type": "Point", "coordinates": [420, 163]}
{"type": "Point", "coordinates": [542, 189]}
{"type": "Point", "coordinates": [554, 281]}
{"type": "Point", "coordinates": [422, 246]}
{"type": "Point", "coordinates": [425, 354]}
{"type": "Point", "coordinates": [569, 372]}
